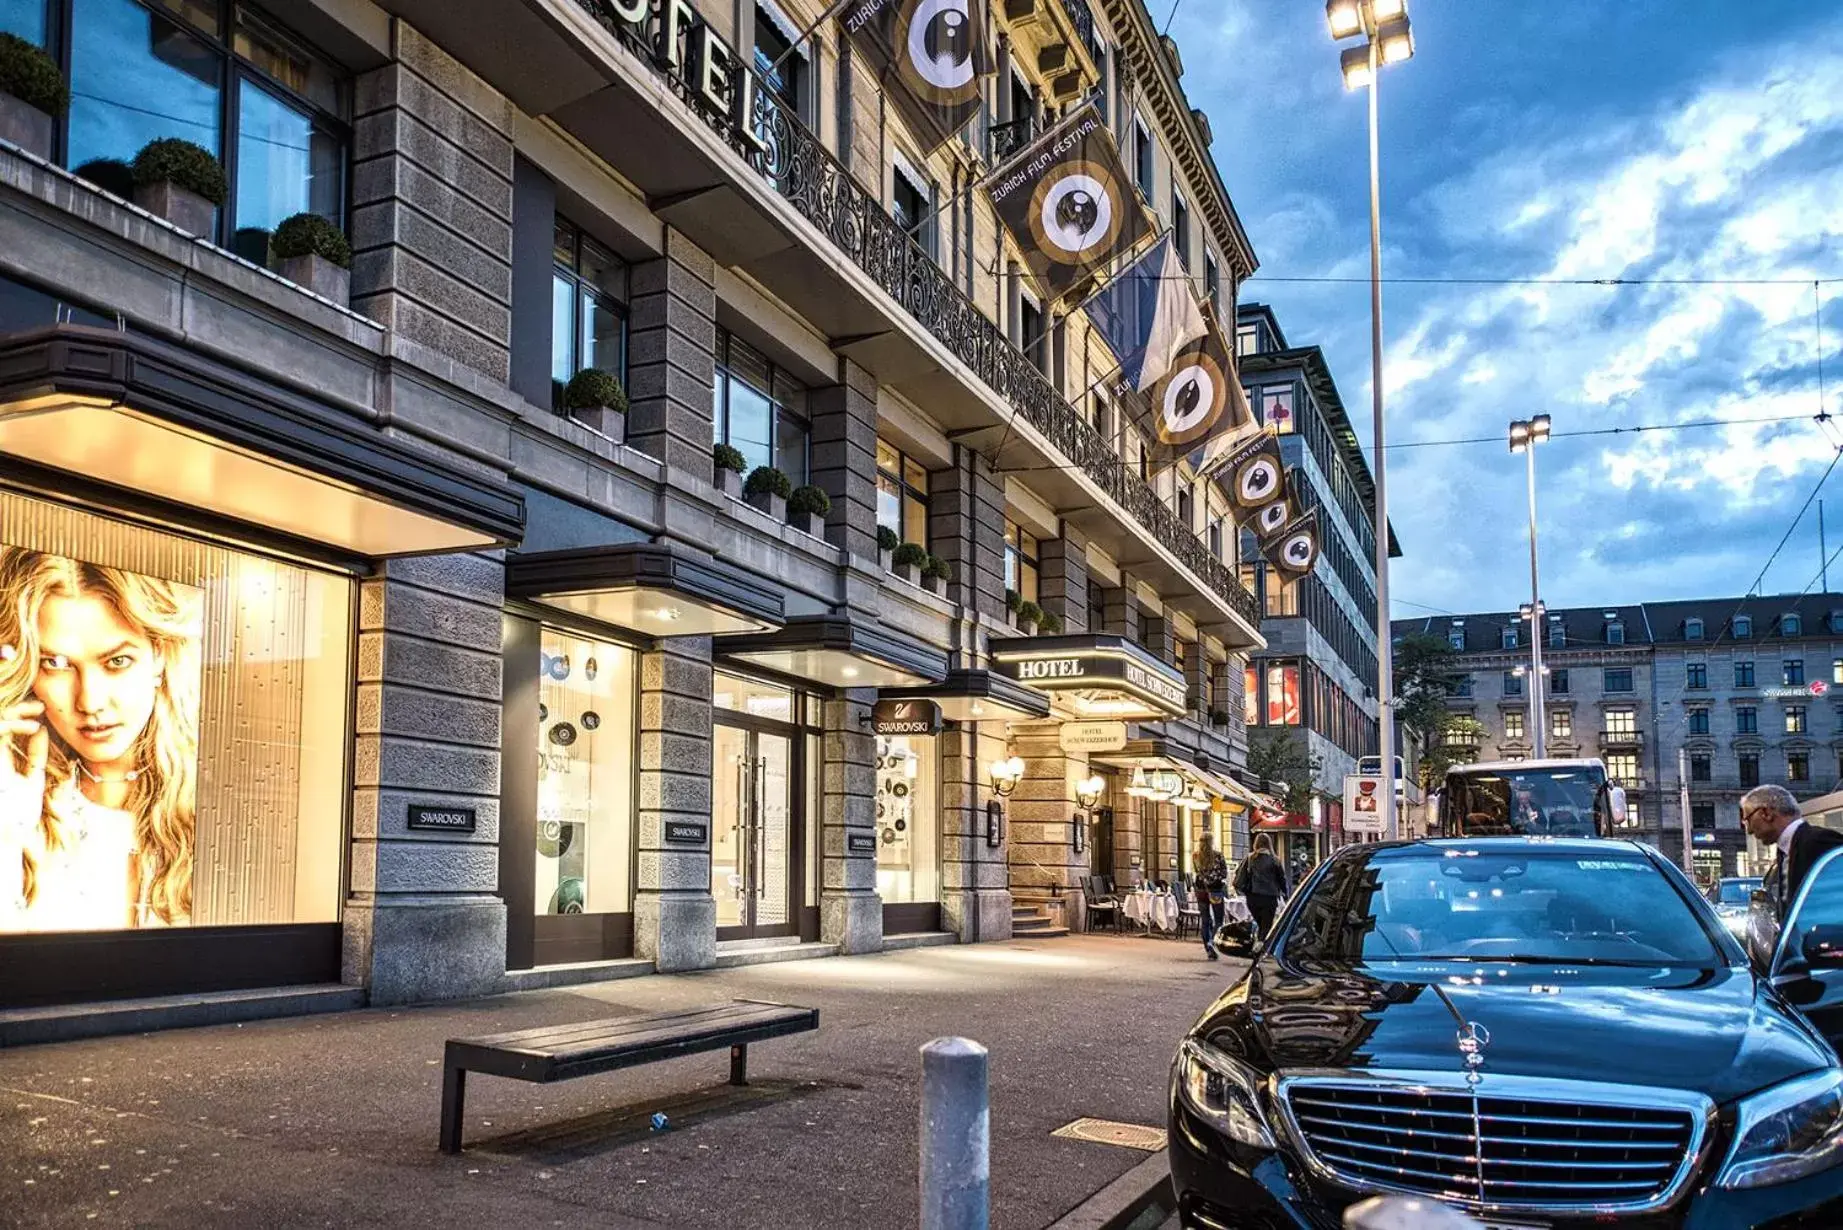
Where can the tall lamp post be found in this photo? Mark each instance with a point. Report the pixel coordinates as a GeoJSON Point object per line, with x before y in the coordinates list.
{"type": "Point", "coordinates": [1383, 25]}
{"type": "Point", "coordinates": [1525, 435]}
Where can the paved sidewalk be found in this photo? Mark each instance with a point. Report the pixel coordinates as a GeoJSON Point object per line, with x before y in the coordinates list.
{"type": "Point", "coordinates": [331, 1121]}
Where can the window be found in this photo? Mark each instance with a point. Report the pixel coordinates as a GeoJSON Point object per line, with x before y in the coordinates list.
{"type": "Point", "coordinates": [1461, 685]}
{"type": "Point", "coordinates": [1558, 635]}
{"type": "Point", "coordinates": [1746, 720]}
{"type": "Point", "coordinates": [1622, 767]}
{"type": "Point", "coordinates": [1836, 670]}
{"type": "Point", "coordinates": [1794, 719]}
{"type": "Point", "coordinates": [1702, 815]}
{"type": "Point", "coordinates": [1798, 766]}
{"type": "Point", "coordinates": [1750, 768]}
{"type": "Point", "coordinates": [588, 310]}
{"type": "Point", "coordinates": [1030, 337]}
{"type": "Point", "coordinates": [1251, 695]}
{"type": "Point", "coordinates": [1513, 726]}
{"type": "Point", "coordinates": [1144, 161]}
{"type": "Point", "coordinates": [1743, 674]}
{"type": "Point", "coordinates": [1697, 675]}
{"type": "Point", "coordinates": [1699, 768]}
{"type": "Point", "coordinates": [1792, 672]}
{"type": "Point", "coordinates": [912, 204]}
{"type": "Point", "coordinates": [1212, 282]}
{"type": "Point", "coordinates": [784, 75]}
{"type": "Point", "coordinates": [760, 410]}
{"type": "Point", "coordinates": [1283, 694]}
{"type": "Point", "coordinates": [585, 787]}
{"type": "Point", "coordinates": [1698, 721]}
{"type": "Point", "coordinates": [1622, 722]}
{"type": "Point", "coordinates": [1247, 342]}
{"type": "Point", "coordinates": [1513, 684]}
{"type": "Point", "coordinates": [1618, 679]}
{"type": "Point", "coordinates": [1456, 638]}
{"type": "Point", "coordinates": [1692, 629]}
{"type": "Point", "coordinates": [1561, 724]}
{"type": "Point", "coordinates": [902, 494]}
{"type": "Point", "coordinates": [1558, 683]}
{"type": "Point", "coordinates": [1180, 226]}
{"type": "Point", "coordinates": [1277, 407]}
{"type": "Point", "coordinates": [224, 77]}
{"type": "Point", "coordinates": [1743, 627]}
{"type": "Point", "coordinates": [1791, 625]}
{"type": "Point", "coordinates": [1615, 633]}
{"type": "Point", "coordinates": [1186, 507]}
{"type": "Point", "coordinates": [1509, 639]}
{"type": "Point", "coordinates": [1020, 561]}
{"type": "Point", "coordinates": [1215, 537]}
{"type": "Point", "coordinates": [24, 18]}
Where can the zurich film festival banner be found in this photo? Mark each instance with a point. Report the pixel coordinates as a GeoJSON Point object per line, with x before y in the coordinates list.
{"type": "Point", "coordinates": [1196, 400]}
{"type": "Point", "coordinates": [99, 737]}
{"type": "Point", "coordinates": [1068, 202]}
{"type": "Point", "coordinates": [1294, 549]}
{"type": "Point", "coordinates": [931, 57]}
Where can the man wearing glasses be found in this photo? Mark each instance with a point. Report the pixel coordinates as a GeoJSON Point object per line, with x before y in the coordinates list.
{"type": "Point", "coordinates": [1771, 815]}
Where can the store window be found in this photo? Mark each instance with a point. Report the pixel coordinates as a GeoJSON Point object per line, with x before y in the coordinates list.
{"type": "Point", "coordinates": [902, 494]}
{"type": "Point", "coordinates": [588, 310]}
{"type": "Point", "coordinates": [585, 813]}
{"type": "Point", "coordinates": [210, 761]}
{"type": "Point", "coordinates": [1277, 407]}
{"type": "Point", "coordinates": [226, 78]}
{"type": "Point", "coordinates": [1021, 562]}
{"type": "Point", "coordinates": [760, 410]}
{"type": "Point", "coordinates": [1251, 695]}
{"type": "Point", "coordinates": [1283, 694]}
{"type": "Point", "coordinates": [908, 819]}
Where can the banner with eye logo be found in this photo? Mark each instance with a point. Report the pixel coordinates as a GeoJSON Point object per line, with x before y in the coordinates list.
{"type": "Point", "coordinates": [1069, 204]}
{"type": "Point", "coordinates": [1255, 475]}
{"type": "Point", "coordinates": [931, 56]}
{"type": "Point", "coordinates": [1197, 400]}
{"type": "Point", "coordinates": [1294, 549]}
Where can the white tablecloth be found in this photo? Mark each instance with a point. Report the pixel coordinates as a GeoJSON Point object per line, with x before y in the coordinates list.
{"type": "Point", "coordinates": [1151, 909]}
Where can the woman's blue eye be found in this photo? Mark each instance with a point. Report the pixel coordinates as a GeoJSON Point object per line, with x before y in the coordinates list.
{"type": "Point", "coordinates": [120, 662]}
{"type": "Point", "coordinates": [54, 662]}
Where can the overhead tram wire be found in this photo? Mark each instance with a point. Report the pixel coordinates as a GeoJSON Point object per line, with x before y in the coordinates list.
{"type": "Point", "coordinates": [1541, 281]}
{"type": "Point", "coordinates": [1619, 431]}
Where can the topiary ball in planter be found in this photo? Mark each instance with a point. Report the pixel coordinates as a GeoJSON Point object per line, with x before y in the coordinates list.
{"type": "Point", "coordinates": [1050, 624]}
{"type": "Point", "coordinates": [727, 464]}
{"type": "Point", "coordinates": [1013, 600]}
{"type": "Point", "coordinates": [310, 251]}
{"type": "Point", "coordinates": [887, 539]}
{"type": "Point", "coordinates": [181, 182]}
{"type": "Point", "coordinates": [32, 95]}
{"type": "Point", "coordinates": [592, 395]}
{"type": "Point", "coordinates": [109, 174]}
{"type": "Point", "coordinates": [908, 559]}
{"type": "Point", "coordinates": [807, 508]}
{"type": "Point", "coordinates": [767, 489]}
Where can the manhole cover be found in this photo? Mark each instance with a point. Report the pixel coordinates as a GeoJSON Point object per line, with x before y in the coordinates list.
{"type": "Point", "coordinates": [1107, 1132]}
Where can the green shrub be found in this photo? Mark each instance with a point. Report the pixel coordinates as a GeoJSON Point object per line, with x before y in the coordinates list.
{"type": "Point", "coordinates": [887, 539]}
{"type": "Point", "coordinates": [810, 500]}
{"type": "Point", "coordinates": [189, 166]}
{"type": "Point", "coordinates": [31, 76]}
{"type": "Point", "coordinates": [909, 555]}
{"type": "Point", "coordinates": [766, 480]}
{"type": "Point", "coordinates": [1050, 623]}
{"type": "Point", "coordinates": [936, 567]}
{"type": "Point", "coordinates": [1012, 599]}
{"type": "Point", "coordinates": [109, 174]}
{"type": "Point", "coordinates": [1029, 613]}
{"type": "Point", "coordinates": [592, 388]}
{"type": "Point", "coordinates": [311, 235]}
{"type": "Point", "coordinates": [729, 457]}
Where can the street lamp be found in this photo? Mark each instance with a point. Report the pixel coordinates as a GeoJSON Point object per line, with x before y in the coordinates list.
{"type": "Point", "coordinates": [1525, 435]}
{"type": "Point", "coordinates": [1387, 39]}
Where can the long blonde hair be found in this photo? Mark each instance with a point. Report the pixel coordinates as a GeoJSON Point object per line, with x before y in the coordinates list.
{"type": "Point", "coordinates": [162, 798]}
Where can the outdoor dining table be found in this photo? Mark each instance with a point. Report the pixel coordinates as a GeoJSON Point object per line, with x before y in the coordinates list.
{"type": "Point", "coordinates": [1151, 909]}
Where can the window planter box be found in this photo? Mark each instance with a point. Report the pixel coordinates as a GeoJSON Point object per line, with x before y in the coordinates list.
{"type": "Point", "coordinates": [775, 506]}
{"type": "Point", "coordinates": [809, 523]}
{"type": "Point", "coordinates": [184, 208]}
{"type": "Point", "coordinates": [319, 275]}
{"type": "Point", "coordinates": [26, 126]}
{"type": "Point", "coordinates": [728, 481]}
{"type": "Point", "coordinates": [907, 572]}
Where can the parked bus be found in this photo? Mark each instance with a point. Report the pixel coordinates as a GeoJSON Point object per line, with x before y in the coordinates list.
{"type": "Point", "coordinates": [1530, 798]}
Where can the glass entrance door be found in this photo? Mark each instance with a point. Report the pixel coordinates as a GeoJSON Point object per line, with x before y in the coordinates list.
{"type": "Point", "coordinates": [751, 852]}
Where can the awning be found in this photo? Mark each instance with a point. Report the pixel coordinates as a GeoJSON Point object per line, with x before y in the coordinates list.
{"type": "Point", "coordinates": [978, 696]}
{"type": "Point", "coordinates": [841, 653]}
{"type": "Point", "coordinates": [162, 421]}
{"type": "Point", "coordinates": [1094, 675]}
{"type": "Point", "coordinates": [1151, 754]}
{"type": "Point", "coordinates": [656, 588]}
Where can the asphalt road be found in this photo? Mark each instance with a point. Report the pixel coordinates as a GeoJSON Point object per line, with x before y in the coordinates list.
{"type": "Point", "coordinates": [331, 1121]}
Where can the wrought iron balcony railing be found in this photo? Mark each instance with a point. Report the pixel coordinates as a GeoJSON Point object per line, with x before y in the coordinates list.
{"type": "Point", "coordinates": [797, 165]}
{"type": "Point", "coordinates": [1083, 21]}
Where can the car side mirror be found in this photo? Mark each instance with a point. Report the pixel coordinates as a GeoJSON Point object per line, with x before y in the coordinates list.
{"type": "Point", "coordinates": [1762, 930]}
{"type": "Point", "coordinates": [1237, 938]}
{"type": "Point", "coordinates": [1615, 802]}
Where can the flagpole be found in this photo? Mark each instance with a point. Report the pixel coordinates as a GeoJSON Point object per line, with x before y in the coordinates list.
{"type": "Point", "coordinates": [831, 10]}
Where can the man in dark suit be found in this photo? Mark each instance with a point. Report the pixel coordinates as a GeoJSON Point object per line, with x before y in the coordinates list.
{"type": "Point", "coordinates": [1771, 815]}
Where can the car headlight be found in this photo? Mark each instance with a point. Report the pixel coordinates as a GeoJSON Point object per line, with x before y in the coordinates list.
{"type": "Point", "coordinates": [1787, 1132]}
{"type": "Point", "coordinates": [1221, 1089]}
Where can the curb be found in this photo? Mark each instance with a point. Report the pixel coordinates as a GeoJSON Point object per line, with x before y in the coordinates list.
{"type": "Point", "coordinates": [1141, 1196]}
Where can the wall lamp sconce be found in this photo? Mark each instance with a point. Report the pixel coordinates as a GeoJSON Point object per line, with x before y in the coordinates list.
{"type": "Point", "coordinates": [1006, 774]}
{"type": "Point", "coordinates": [1087, 793]}
{"type": "Point", "coordinates": [994, 824]}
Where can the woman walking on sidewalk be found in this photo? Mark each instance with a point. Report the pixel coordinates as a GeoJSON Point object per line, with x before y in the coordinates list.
{"type": "Point", "coordinates": [1209, 884]}
{"type": "Point", "coordinates": [1262, 880]}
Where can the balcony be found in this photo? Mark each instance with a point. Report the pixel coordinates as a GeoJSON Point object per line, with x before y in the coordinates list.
{"type": "Point", "coordinates": [1622, 738]}
{"type": "Point", "coordinates": [1005, 140]}
{"type": "Point", "coordinates": [1082, 22]}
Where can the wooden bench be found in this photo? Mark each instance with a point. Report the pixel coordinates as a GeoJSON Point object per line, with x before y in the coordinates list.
{"type": "Point", "coordinates": [564, 1052]}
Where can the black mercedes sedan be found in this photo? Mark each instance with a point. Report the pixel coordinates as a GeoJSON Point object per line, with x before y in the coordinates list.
{"type": "Point", "coordinates": [1543, 1032]}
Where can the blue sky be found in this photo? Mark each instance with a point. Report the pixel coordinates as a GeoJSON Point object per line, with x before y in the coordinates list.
{"type": "Point", "coordinates": [1561, 139]}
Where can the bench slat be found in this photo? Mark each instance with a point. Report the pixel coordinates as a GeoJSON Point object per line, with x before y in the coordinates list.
{"type": "Point", "coordinates": [603, 1046]}
{"type": "Point", "coordinates": [546, 1038]}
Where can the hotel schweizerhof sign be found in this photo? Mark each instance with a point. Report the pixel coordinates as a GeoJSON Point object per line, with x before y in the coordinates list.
{"type": "Point", "coordinates": [681, 45]}
{"type": "Point", "coordinates": [1095, 666]}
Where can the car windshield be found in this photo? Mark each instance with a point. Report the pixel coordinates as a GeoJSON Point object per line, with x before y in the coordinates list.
{"type": "Point", "coordinates": [1553, 802]}
{"type": "Point", "coordinates": [1736, 892]}
{"type": "Point", "coordinates": [1578, 905]}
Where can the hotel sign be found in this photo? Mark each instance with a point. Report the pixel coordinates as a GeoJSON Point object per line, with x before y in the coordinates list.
{"type": "Point", "coordinates": [1097, 670]}
{"type": "Point", "coordinates": [713, 77]}
{"type": "Point", "coordinates": [1093, 736]}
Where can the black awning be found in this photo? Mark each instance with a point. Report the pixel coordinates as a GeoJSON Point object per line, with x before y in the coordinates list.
{"type": "Point", "coordinates": [1095, 675]}
{"type": "Point", "coordinates": [841, 653]}
{"type": "Point", "coordinates": [978, 696]}
{"type": "Point", "coordinates": [657, 588]}
{"type": "Point", "coordinates": [166, 422]}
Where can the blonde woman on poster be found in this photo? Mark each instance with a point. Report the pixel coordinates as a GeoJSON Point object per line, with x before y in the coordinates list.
{"type": "Point", "coordinates": [99, 675]}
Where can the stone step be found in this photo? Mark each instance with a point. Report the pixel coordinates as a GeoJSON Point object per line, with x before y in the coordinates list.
{"type": "Point", "coordinates": [69, 1022]}
{"type": "Point", "coordinates": [1048, 931]}
{"type": "Point", "coordinates": [918, 939]}
{"type": "Point", "coordinates": [731, 954]}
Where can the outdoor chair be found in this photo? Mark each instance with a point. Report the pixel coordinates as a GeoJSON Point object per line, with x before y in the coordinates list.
{"type": "Point", "coordinates": [1103, 906]}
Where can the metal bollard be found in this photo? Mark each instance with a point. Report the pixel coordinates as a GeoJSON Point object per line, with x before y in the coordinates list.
{"type": "Point", "coordinates": [956, 1131]}
{"type": "Point", "coordinates": [1406, 1213]}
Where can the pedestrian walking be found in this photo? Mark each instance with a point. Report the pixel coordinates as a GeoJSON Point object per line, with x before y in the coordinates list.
{"type": "Point", "coordinates": [1210, 883]}
{"type": "Point", "coordinates": [1261, 880]}
{"type": "Point", "coordinates": [1771, 815]}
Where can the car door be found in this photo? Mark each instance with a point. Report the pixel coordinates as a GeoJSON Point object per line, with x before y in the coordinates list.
{"type": "Point", "coordinates": [1807, 954]}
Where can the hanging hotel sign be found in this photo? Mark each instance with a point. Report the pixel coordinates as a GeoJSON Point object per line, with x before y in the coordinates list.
{"type": "Point", "coordinates": [1817, 687]}
{"type": "Point", "coordinates": [1102, 675]}
{"type": "Point", "coordinates": [709, 73]}
{"type": "Point", "coordinates": [905, 717]}
{"type": "Point", "coordinates": [1093, 736]}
